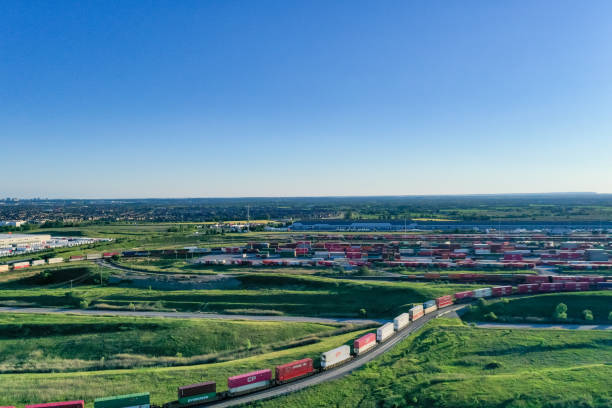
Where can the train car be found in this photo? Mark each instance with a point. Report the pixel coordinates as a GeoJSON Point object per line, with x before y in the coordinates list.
{"type": "Point", "coordinates": [528, 288]}
{"type": "Point", "coordinates": [109, 254]}
{"type": "Point", "coordinates": [591, 279]}
{"type": "Point", "coordinates": [4, 268]}
{"type": "Point", "coordinates": [64, 404]}
{"type": "Point", "coordinates": [537, 279]}
{"type": "Point", "coordinates": [444, 301]}
{"type": "Point", "coordinates": [293, 370]}
{"type": "Point", "coordinates": [556, 279]}
{"type": "Point", "coordinates": [604, 285]}
{"type": "Point", "coordinates": [91, 257]}
{"type": "Point", "coordinates": [384, 332]}
{"type": "Point", "coordinates": [464, 296]}
{"type": "Point", "coordinates": [197, 393]}
{"type": "Point", "coordinates": [139, 400]}
{"type": "Point", "coordinates": [432, 276]}
{"type": "Point", "coordinates": [75, 258]}
{"type": "Point", "coordinates": [576, 286]}
{"type": "Point", "coordinates": [249, 382]}
{"type": "Point", "coordinates": [415, 312]}
{"type": "Point", "coordinates": [38, 262]}
{"type": "Point", "coordinates": [55, 260]}
{"type": "Point", "coordinates": [21, 265]}
{"type": "Point", "coordinates": [498, 291]}
{"type": "Point", "coordinates": [401, 321]}
{"type": "Point", "coordinates": [551, 287]}
{"type": "Point", "coordinates": [335, 357]}
{"type": "Point", "coordinates": [483, 293]}
{"type": "Point", "coordinates": [429, 306]}
{"type": "Point", "coordinates": [364, 343]}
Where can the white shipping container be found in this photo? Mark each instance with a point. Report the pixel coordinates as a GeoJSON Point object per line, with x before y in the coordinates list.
{"type": "Point", "coordinates": [480, 293]}
{"type": "Point", "coordinates": [55, 260]}
{"type": "Point", "coordinates": [335, 356]}
{"type": "Point", "coordinates": [4, 268]}
{"type": "Point", "coordinates": [384, 332]}
{"type": "Point", "coordinates": [248, 387]}
{"type": "Point", "coordinates": [401, 321]}
{"type": "Point", "coordinates": [321, 254]}
{"type": "Point", "coordinates": [94, 256]}
{"type": "Point", "coordinates": [430, 309]}
{"type": "Point", "coordinates": [37, 262]}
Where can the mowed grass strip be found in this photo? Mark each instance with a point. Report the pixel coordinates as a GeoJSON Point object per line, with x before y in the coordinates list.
{"type": "Point", "coordinates": [449, 364]}
{"type": "Point", "coordinates": [161, 382]}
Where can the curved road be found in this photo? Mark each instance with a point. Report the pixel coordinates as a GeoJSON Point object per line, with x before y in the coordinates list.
{"type": "Point", "coordinates": [339, 371]}
{"type": "Point", "coordinates": [543, 326]}
{"type": "Point", "coordinates": [189, 315]}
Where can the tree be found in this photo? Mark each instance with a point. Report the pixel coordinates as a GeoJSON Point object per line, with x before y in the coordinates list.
{"type": "Point", "coordinates": [610, 316]}
{"type": "Point", "coordinates": [364, 312]}
{"type": "Point", "coordinates": [587, 315]}
{"type": "Point", "coordinates": [560, 312]}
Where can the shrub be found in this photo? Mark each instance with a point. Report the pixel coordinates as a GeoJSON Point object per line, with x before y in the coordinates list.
{"type": "Point", "coordinates": [364, 312]}
{"type": "Point", "coordinates": [560, 312]}
{"type": "Point", "coordinates": [610, 316]}
{"type": "Point", "coordinates": [490, 316]}
{"type": "Point", "coordinates": [83, 304]}
{"type": "Point", "coordinates": [587, 315]}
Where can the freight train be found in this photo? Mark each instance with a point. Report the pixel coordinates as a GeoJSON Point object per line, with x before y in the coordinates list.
{"type": "Point", "coordinates": [193, 395]}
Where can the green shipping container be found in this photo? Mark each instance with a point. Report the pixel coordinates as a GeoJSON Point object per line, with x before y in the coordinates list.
{"type": "Point", "coordinates": [196, 398]}
{"type": "Point", "coordinates": [123, 401]}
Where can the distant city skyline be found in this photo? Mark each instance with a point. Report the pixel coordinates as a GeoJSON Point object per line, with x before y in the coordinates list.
{"type": "Point", "coordinates": [296, 99]}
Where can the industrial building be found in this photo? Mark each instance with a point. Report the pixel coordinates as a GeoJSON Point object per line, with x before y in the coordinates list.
{"type": "Point", "coordinates": [15, 223]}
{"type": "Point", "coordinates": [8, 240]}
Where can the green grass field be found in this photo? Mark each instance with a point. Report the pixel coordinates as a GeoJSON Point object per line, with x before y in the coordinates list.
{"type": "Point", "coordinates": [161, 382]}
{"type": "Point", "coordinates": [449, 364]}
{"type": "Point", "coordinates": [540, 308]}
{"type": "Point", "coordinates": [45, 343]}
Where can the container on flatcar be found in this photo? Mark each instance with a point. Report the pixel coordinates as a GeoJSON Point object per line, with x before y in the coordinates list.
{"type": "Point", "coordinates": [64, 404]}
{"type": "Point", "coordinates": [429, 306]}
{"type": "Point", "coordinates": [204, 391]}
{"type": "Point", "coordinates": [501, 291]}
{"type": "Point", "coordinates": [415, 312]}
{"type": "Point", "coordinates": [432, 276]}
{"type": "Point", "coordinates": [21, 265]}
{"type": "Point", "coordinates": [537, 279]}
{"type": "Point", "coordinates": [384, 332]}
{"type": "Point", "coordinates": [38, 262]}
{"type": "Point", "coordinates": [604, 285]}
{"type": "Point", "coordinates": [528, 288]}
{"type": "Point", "coordinates": [556, 279]}
{"type": "Point", "coordinates": [591, 279]}
{"type": "Point", "coordinates": [55, 260]}
{"type": "Point", "coordinates": [482, 293]}
{"type": "Point", "coordinates": [401, 321]}
{"type": "Point", "coordinates": [249, 381]}
{"type": "Point", "coordinates": [293, 370]}
{"type": "Point", "coordinates": [466, 295]}
{"type": "Point", "coordinates": [551, 287]}
{"type": "Point", "coordinates": [576, 286]}
{"type": "Point", "coordinates": [139, 400]}
{"type": "Point", "coordinates": [4, 268]}
{"type": "Point", "coordinates": [90, 257]}
{"type": "Point", "coordinates": [444, 301]}
{"type": "Point", "coordinates": [336, 356]}
{"type": "Point", "coordinates": [364, 343]}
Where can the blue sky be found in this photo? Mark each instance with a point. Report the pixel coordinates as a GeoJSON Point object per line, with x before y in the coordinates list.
{"type": "Point", "coordinates": [287, 98]}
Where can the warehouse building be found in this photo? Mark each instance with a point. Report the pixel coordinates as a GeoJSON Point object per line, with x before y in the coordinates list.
{"type": "Point", "coordinates": [8, 240]}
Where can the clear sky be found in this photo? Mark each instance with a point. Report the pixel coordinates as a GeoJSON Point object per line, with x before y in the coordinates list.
{"type": "Point", "coordinates": [297, 98]}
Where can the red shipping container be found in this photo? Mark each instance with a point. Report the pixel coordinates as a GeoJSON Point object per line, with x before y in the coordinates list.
{"type": "Point", "coordinates": [65, 404]}
{"type": "Point", "coordinates": [501, 290]}
{"type": "Point", "coordinates": [295, 369]}
{"type": "Point", "coordinates": [443, 301]}
{"type": "Point", "coordinates": [528, 288]}
{"type": "Point", "coordinates": [364, 340]}
{"type": "Point", "coordinates": [249, 378]}
{"type": "Point", "coordinates": [537, 278]}
{"type": "Point", "coordinates": [593, 279]}
{"type": "Point", "coordinates": [582, 286]}
{"type": "Point", "coordinates": [563, 279]}
{"type": "Point", "coordinates": [432, 276]}
{"type": "Point", "coordinates": [464, 295]}
{"type": "Point", "coordinates": [551, 287]}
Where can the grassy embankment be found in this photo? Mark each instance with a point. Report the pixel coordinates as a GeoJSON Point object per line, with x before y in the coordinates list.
{"type": "Point", "coordinates": [453, 365]}
{"type": "Point", "coordinates": [540, 308]}
{"type": "Point", "coordinates": [161, 382]}
{"type": "Point", "coordinates": [56, 343]}
{"type": "Point", "coordinates": [258, 294]}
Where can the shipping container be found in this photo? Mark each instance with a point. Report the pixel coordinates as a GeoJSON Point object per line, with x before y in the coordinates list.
{"type": "Point", "coordinates": [415, 312]}
{"type": "Point", "coordinates": [384, 332]}
{"type": "Point", "coordinates": [205, 391]}
{"type": "Point", "coordinates": [551, 287]}
{"type": "Point", "coordinates": [21, 265]}
{"type": "Point", "coordinates": [604, 285]}
{"type": "Point", "coordinates": [592, 279]}
{"type": "Point", "coordinates": [38, 262]}
{"type": "Point", "coordinates": [75, 258]}
{"type": "Point", "coordinates": [335, 357]}
{"type": "Point", "coordinates": [482, 293]}
{"type": "Point", "coordinates": [528, 288]}
{"type": "Point", "coordinates": [364, 343]}
{"type": "Point", "coordinates": [576, 286]}
{"type": "Point", "coordinates": [466, 295]}
{"type": "Point", "coordinates": [249, 381]}
{"type": "Point", "coordinates": [4, 268]}
{"type": "Point", "coordinates": [401, 321]}
{"type": "Point", "coordinates": [429, 306]}
{"type": "Point", "coordinates": [55, 260]}
{"type": "Point", "coordinates": [140, 400]}
{"type": "Point", "coordinates": [432, 276]}
{"type": "Point", "coordinates": [537, 279]}
{"type": "Point", "coordinates": [501, 291]}
{"type": "Point", "coordinates": [444, 301]}
{"type": "Point", "coordinates": [64, 404]}
{"type": "Point", "coordinates": [294, 370]}
{"type": "Point", "coordinates": [90, 257]}
{"type": "Point", "coordinates": [111, 254]}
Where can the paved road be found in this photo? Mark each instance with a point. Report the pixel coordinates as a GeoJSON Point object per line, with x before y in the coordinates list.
{"type": "Point", "coordinates": [336, 372]}
{"type": "Point", "coordinates": [545, 326]}
{"type": "Point", "coordinates": [189, 315]}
